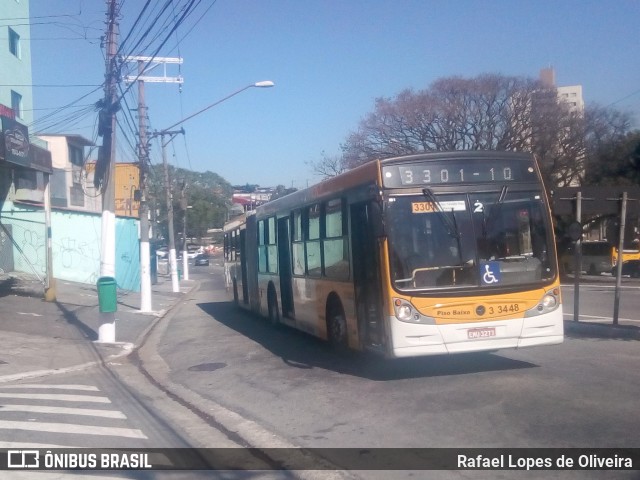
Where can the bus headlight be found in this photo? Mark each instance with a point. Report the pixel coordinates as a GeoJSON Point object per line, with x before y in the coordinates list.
{"type": "Point", "coordinates": [549, 302]}
{"type": "Point", "coordinates": [403, 310]}
{"type": "Point", "coordinates": [406, 312]}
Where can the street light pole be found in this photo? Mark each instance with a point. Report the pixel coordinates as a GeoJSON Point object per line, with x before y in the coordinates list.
{"type": "Point", "coordinates": [167, 131]}
{"type": "Point", "coordinates": [263, 84]}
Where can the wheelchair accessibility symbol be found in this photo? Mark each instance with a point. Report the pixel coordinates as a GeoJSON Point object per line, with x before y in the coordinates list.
{"type": "Point", "coordinates": [491, 273]}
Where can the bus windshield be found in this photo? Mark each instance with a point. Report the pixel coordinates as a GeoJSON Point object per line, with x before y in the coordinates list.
{"type": "Point", "coordinates": [485, 240]}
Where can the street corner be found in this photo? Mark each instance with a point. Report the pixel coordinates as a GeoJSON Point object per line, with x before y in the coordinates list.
{"type": "Point", "coordinates": [114, 350]}
{"type": "Point", "coordinates": [25, 356]}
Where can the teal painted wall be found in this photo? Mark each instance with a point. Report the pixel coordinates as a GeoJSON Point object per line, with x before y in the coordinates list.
{"type": "Point", "coordinates": [76, 243]}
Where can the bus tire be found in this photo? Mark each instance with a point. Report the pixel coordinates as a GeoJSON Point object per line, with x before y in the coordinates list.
{"type": "Point", "coordinates": [336, 325]}
{"type": "Point", "coordinates": [272, 305]}
{"type": "Point", "coordinates": [235, 292]}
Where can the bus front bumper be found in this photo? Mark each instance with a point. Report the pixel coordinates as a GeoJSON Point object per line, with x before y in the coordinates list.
{"type": "Point", "coordinates": [412, 339]}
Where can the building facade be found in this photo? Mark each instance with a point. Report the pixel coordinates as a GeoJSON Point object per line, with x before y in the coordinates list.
{"type": "Point", "coordinates": [16, 92]}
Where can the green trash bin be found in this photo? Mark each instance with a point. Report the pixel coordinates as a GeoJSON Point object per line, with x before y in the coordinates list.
{"type": "Point", "coordinates": [107, 296]}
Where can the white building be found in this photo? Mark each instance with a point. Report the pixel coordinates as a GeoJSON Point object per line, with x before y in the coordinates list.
{"type": "Point", "coordinates": [571, 94]}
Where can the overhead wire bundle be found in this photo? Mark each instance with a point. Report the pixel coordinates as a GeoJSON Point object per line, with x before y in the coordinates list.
{"type": "Point", "coordinates": [151, 30]}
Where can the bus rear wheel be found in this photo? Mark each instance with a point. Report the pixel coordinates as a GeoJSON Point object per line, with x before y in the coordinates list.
{"type": "Point", "coordinates": [337, 328]}
{"type": "Point", "coordinates": [235, 292]}
{"type": "Point", "coordinates": [272, 303]}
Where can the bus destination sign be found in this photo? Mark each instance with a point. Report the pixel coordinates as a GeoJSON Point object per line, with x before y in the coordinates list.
{"type": "Point", "coordinates": [453, 172]}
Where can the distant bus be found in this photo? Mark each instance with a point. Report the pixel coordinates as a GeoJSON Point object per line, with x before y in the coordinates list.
{"type": "Point", "coordinates": [627, 254]}
{"type": "Point", "coordinates": [598, 256]}
{"type": "Point", "coordinates": [408, 256]}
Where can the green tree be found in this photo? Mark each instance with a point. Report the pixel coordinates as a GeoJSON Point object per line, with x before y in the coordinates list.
{"type": "Point", "coordinates": [614, 159]}
{"type": "Point", "coordinates": [206, 192]}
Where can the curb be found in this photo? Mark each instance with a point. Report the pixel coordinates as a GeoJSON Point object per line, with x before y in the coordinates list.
{"type": "Point", "coordinates": [242, 431]}
{"type": "Point", "coordinates": [622, 332]}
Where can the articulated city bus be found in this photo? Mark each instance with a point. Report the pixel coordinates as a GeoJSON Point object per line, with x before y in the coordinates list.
{"type": "Point", "coordinates": [416, 255]}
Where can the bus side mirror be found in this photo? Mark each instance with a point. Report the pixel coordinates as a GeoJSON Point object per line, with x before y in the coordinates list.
{"type": "Point", "coordinates": [377, 219]}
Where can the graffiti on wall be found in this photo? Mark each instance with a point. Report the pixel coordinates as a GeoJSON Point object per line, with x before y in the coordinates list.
{"type": "Point", "coordinates": [32, 249]}
{"type": "Point", "coordinates": [76, 246]}
{"type": "Point", "coordinates": [80, 256]}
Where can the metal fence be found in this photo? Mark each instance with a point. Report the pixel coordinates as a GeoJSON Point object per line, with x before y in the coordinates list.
{"type": "Point", "coordinates": [23, 263]}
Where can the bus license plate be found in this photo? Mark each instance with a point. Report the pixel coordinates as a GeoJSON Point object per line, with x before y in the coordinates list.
{"type": "Point", "coordinates": [484, 332]}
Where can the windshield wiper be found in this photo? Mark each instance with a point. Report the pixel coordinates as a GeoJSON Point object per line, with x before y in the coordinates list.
{"type": "Point", "coordinates": [450, 225]}
{"type": "Point", "coordinates": [495, 208]}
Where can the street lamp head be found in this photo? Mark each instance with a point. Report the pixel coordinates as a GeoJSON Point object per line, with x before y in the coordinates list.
{"type": "Point", "coordinates": [264, 84]}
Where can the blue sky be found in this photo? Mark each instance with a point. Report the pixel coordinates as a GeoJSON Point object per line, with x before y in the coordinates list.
{"type": "Point", "coordinates": [329, 60]}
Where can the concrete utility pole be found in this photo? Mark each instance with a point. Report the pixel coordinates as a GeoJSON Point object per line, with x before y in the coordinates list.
{"type": "Point", "coordinates": [145, 255]}
{"type": "Point", "coordinates": [623, 216]}
{"type": "Point", "coordinates": [146, 64]}
{"type": "Point", "coordinates": [577, 270]}
{"type": "Point", "coordinates": [175, 284]}
{"type": "Point", "coordinates": [107, 128]}
{"type": "Point", "coordinates": [185, 250]}
{"type": "Point", "coordinates": [108, 149]}
{"type": "Point", "coordinates": [50, 284]}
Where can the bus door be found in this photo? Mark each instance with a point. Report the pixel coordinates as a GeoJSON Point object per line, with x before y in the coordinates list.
{"type": "Point", "coordinates": [284, 268]}
{"type": "Point", "coordinates": [243, 267]}
{"type": "Point", "coordinates": [366, 274]}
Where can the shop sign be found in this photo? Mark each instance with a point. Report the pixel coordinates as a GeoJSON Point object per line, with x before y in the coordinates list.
{"type": "Point", "coordinates": [15, 142]}
{"type": "Point", "coordinates": [16, 149]}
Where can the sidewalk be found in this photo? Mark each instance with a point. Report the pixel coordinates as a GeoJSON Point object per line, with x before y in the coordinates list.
{"type": "Point", "coordinates": [38, 338]}
{"type": "Point", "coordinates": [592, 327]}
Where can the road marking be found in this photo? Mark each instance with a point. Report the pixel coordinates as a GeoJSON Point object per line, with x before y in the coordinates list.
{"type": "Point", "coordinates": [28, 446]}
{"type": "Point", "coordinates": [16, 475]}
{"type": "Point", "coordinates": [64, 410]}
{"type": "Point", "coordinates": [69, 428]}
{"type": "Point", "coordinates": [57, 397]}
{"type": "Point", "coordinates": [86, 388]}
{"type": "Point", "coordinates": [28, 313]}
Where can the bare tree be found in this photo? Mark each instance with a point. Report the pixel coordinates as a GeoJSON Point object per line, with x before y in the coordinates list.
{"type": "Point", "coordinates": [328, 166]}
{"type": "Point", "coordinates": [488, 112]}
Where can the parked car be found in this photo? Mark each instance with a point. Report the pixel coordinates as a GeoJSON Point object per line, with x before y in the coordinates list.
{"type": "Point", "coordinates": [630, 267]}
{"type": "Point", "coordinates": [193, 251]}
{"type": "Point", "coordinates": [201, 260]}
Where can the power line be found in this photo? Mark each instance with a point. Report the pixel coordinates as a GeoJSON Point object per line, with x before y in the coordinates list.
{"type": "Point", "coordinates": [624, 98]}
{"type": "Point", "coordinates": [186, 11]}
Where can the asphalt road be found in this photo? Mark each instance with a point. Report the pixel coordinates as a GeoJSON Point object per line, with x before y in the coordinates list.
{"type": "Point", "coordinates": [583, 393]}
{"type": "Point", "coordinates": [210, 375]}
